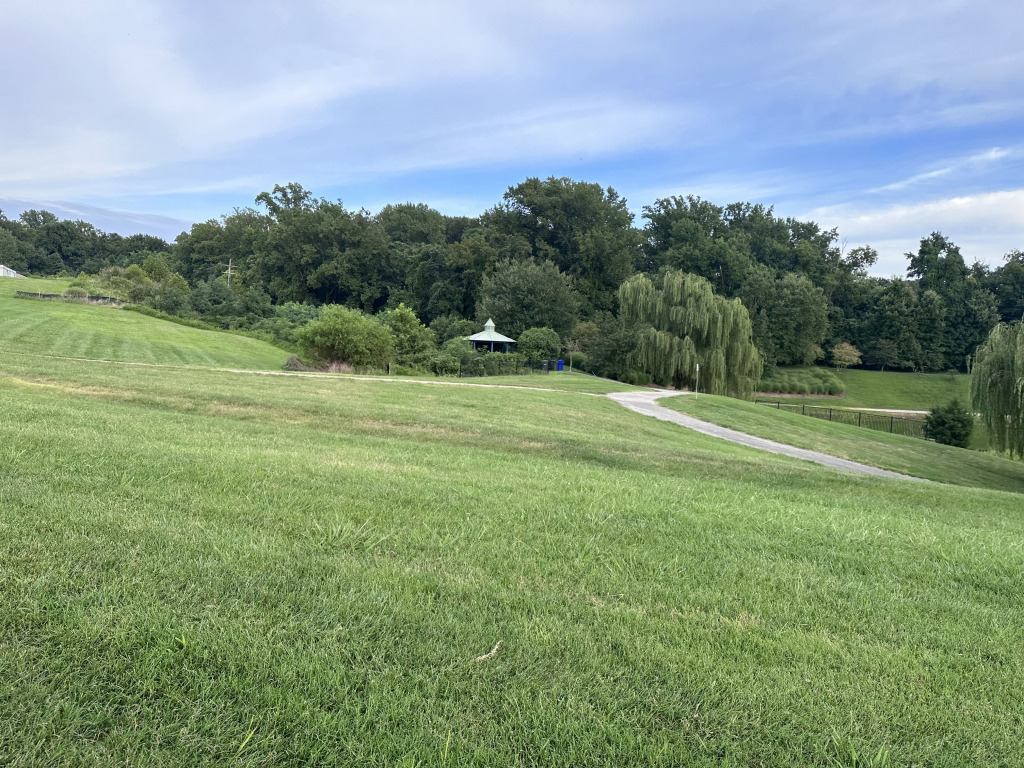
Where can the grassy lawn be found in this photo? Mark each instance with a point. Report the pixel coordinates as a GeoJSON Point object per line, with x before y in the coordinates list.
{"type": "Point", "coordinates": [9, 285]}
{"type": "Point", "coordinates": [562, 380]}
{"type": "Point", "coordinates": [222, 569]}
{"type": "Point", "coordinates": [65, 329]}
{"type": "Point", "coordinates": [908, 455]}
{"type": "Point", "coordinates": [888, 389]}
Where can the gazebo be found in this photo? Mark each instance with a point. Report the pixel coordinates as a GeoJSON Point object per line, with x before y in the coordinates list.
{"type": "Point", "coordinates": [489, 339]}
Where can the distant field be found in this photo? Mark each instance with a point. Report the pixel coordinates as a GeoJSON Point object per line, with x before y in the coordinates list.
{"type": "Point", "coordinates": [64, 329]}
{"type": "Point", "coordinates": [8, 285]}
{"type": "Point", "coordinates": [209, 568]}
{"type": "Point", "coordinates": [887, 389]}
{"type": "Point", "coordinates": [908, 455]}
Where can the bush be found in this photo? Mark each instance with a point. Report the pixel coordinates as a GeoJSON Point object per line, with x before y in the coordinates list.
{"type": "Point", "coordinates": [348, 336]}
{"type": "Point", "coordinates": [413, 341]}
{"type": "Point", "coordinates": [539, 344]}
{"type": "Point", "coordinates": [75, 293]}
{"type": "Point", "coordinates": [294, 363]}
{"type": "Point", "coordinates": [802, 381]}
{"type": "Point", "coordinates": [950, 424]}
{"type": "Point", "coordinates": [443, 364]}
{"type": "Point", "coordinates": [637, 378]}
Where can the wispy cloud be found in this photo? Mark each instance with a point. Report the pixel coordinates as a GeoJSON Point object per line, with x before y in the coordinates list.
{"type": "Point", "coordinates": [192, 108]}
{"type": "Point", "coordinates": [986, 226]}
{"type": "Point", "coordinates": [971, 163]}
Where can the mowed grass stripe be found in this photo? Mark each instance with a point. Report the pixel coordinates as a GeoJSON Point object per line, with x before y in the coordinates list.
{"type": "Point", "coordinates": [209, 569]}
{"type": "Point", "coordinates": [108, 333]}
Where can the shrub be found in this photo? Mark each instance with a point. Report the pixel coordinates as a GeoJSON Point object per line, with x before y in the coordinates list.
{"type": "Point", "coordinates": [444, 364]}
{"type": "Point", "coordinates": [802, 381]}
{"type": "Point", "coordinates": [460, 349]}
{"type": "Point", "coordinates": [950, 424]}
{"type": "Point", "coordinates": [294, 363]}
{"type": "Point", "coordinates": [492, 365]}
{"type": "Point", "coordinates": [75, 293]}
{"type": "Point", "coordinates": [413, 341]}
{"type": "Point", "coordinates": [637, 378]}
{"type": "Point", "coordinates": [347, 336]}
{"type": "Point", "coordinates": [539, 344]}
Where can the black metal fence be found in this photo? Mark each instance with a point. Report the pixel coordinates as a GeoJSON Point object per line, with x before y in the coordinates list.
{"type": "Point", "coordinates": [908, 426]}
{"type": "Point", "coordinates": [62, 297]}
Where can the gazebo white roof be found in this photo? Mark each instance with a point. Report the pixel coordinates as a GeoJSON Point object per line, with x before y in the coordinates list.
{"type": "Point", "coordinates": [489, 334]}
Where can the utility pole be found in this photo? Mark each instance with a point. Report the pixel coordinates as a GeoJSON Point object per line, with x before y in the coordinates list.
{"type": "Point", "coordinates": [229, 271]}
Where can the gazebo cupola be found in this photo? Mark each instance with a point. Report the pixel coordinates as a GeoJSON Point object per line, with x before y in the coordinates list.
{"type": "Point", "coordinates": [490, 339]}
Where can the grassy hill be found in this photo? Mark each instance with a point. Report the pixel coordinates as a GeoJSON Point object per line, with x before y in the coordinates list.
{"type": "Point", "coordinates": [214, 568]}
{"type": "Point", "coordinates": [64, 329]}
{"type": "Point", "coordinates": [909, 455]}
{"type": "Point", "coordinates": [895, 390]}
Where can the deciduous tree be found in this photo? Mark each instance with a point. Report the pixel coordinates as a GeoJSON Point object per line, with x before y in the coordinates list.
{"type": "Point", "coordinates": [684, 324]}
{"type": "Point", "coordinates": [528, 294]}
{"type": "Point", "coordinates": [997, 386]}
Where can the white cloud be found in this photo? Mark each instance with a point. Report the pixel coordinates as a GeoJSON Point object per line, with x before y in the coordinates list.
{"type": "Point", "coordinates": [986, 226]}
{"type": "Point", "coordinates": [122, 222]}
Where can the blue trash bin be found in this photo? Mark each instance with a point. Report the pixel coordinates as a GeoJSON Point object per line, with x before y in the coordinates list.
{"type": "Point", "coordinates": [560, 364]}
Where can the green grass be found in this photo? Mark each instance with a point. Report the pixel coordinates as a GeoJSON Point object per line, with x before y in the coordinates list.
{"type": "Point", "coordinates": [10, 285]}
{"type": "Point", "coordinates": [895, 390]}
{"type": "Point", "coordinates": [226, 569]}
{"type": "Point", "coordinates": [908, 455]}
{"type": "Point", "coordinates": [63, 329]}
{"type": "Point", "coordinates": [562, 380]}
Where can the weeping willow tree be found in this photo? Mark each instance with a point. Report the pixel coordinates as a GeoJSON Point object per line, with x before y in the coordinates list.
{"type": "Point", "coordinates": [997, 386]}
{"type": "Point", "coordinates": [685, 324]}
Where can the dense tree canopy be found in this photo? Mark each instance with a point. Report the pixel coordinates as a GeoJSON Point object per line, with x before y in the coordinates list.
{"type": "Point", "coordinates": [585, 230]}
{"type": "Point", "coordinates": [789, 316]}
{"type": "Point", "coordinates": [552, 252]}
{"type": "Point", "coordinates": [528, 294]}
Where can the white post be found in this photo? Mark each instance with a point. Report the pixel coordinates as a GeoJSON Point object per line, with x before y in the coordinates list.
{"type": "Point", "coordinates": [696, 389]}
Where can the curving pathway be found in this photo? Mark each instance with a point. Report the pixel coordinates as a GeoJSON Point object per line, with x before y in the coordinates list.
{"type": "Point", "coordinates": [647, 403]}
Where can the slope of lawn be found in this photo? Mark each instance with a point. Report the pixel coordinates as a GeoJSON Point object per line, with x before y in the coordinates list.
{"type": "Point", "coordinates": [894, 390]}
{"type": "Point", "coordinates": [562, 380]}
{"type": "Point", "coordinates": [64, 329]}
{"type": "Point", "coordinates": [229, 569]}
{"type": "Point", "coordinates": [909, 455]}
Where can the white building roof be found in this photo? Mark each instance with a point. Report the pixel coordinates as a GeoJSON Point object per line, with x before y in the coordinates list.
{"type": "Point", "coordinates": [8, 272]}
{"type": "Point", "coordinates": [489, 334]}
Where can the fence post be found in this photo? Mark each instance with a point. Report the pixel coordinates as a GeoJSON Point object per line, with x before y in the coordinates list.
{"type": "Point", "coordinates": [892, 420]}
{"type": "Point", "coordinates": [858, 418]}
{"type": "Point", "coordinates": [830, 414]}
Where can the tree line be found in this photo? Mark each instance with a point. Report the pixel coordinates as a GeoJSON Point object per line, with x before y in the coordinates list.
{"type": "Point", "coordinates": [557, 254]}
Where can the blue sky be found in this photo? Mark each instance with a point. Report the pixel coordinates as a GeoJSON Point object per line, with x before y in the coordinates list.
{"type": "Point", "coordinates": [888, 120]}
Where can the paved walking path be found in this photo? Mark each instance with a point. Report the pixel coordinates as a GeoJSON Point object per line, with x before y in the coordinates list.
{"type": "Point", "coordinates": [647, 403]}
